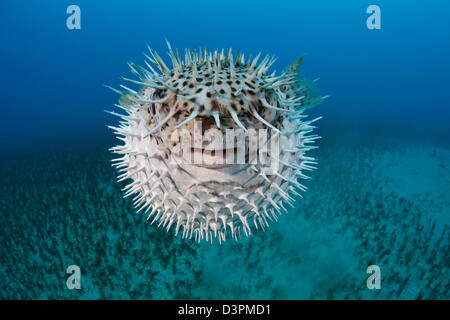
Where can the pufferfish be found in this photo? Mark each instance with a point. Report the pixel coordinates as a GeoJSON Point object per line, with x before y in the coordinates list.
{"type": "Point", "coordinates": [214, 90]}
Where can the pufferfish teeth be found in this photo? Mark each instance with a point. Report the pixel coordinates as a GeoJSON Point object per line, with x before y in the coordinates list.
{"type": "Point", "coordinates": [211, 201]}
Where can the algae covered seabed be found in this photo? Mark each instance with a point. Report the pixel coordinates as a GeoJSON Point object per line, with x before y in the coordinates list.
{"type": "Point", "coordinates": [382, 201]}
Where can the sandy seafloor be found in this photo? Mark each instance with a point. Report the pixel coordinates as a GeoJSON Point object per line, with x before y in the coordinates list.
{"type": "Point", "coordinates": [382, 201]}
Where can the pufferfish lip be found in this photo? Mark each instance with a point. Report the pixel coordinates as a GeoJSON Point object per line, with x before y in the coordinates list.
{"type": "Point", "coordinates": [213, 159]}
{"type": "Point", "coordinates": [213, 166]}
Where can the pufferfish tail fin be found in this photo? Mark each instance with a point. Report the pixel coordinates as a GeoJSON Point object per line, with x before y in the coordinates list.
{"type": "Point", "coordinates": [304, 87]}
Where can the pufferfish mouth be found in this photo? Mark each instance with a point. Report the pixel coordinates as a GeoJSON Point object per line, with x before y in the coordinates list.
{"type": "Point", "coordinates": [221, 153]}
{"type": "Point", "coordinates": [214, 159]}
{"type": "Point", "coordinates": [213, 154]}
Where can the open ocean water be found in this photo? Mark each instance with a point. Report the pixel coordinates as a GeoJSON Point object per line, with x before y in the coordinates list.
{"type": "Point", "coordinates": [380, 196]}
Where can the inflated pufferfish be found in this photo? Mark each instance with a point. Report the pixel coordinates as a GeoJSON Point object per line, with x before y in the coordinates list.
{"type": "Point", "coordinates": [214, 90]}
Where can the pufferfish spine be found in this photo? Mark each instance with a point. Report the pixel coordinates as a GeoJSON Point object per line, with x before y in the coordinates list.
{"type": "Point", "coordinates": [224, 92]}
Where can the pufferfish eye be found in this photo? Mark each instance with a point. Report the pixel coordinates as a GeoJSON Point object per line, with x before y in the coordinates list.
{"type": "Point", "coordinates": [201, 194]}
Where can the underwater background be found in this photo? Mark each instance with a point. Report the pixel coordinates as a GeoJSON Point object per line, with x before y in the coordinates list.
{"type": "Point", "coordinates": [381, 194]}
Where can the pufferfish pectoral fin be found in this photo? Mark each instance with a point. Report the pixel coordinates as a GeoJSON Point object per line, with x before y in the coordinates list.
{"type": "Point", "coordinates": [294, 66]}
{"type": "Point", "coordinates": [304, 87]}
{"type": "Point", "coordinates": [124, 100]}
{"type": "Point", "coordinates": [312, 95]}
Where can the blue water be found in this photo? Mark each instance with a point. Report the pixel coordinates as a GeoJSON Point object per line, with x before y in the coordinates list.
{"type": "Point", "coordinates": [389, 102]}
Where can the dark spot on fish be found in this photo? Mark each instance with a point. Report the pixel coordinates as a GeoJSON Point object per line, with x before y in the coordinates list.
{"type": "Point", "coordinates": [250, 85]}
